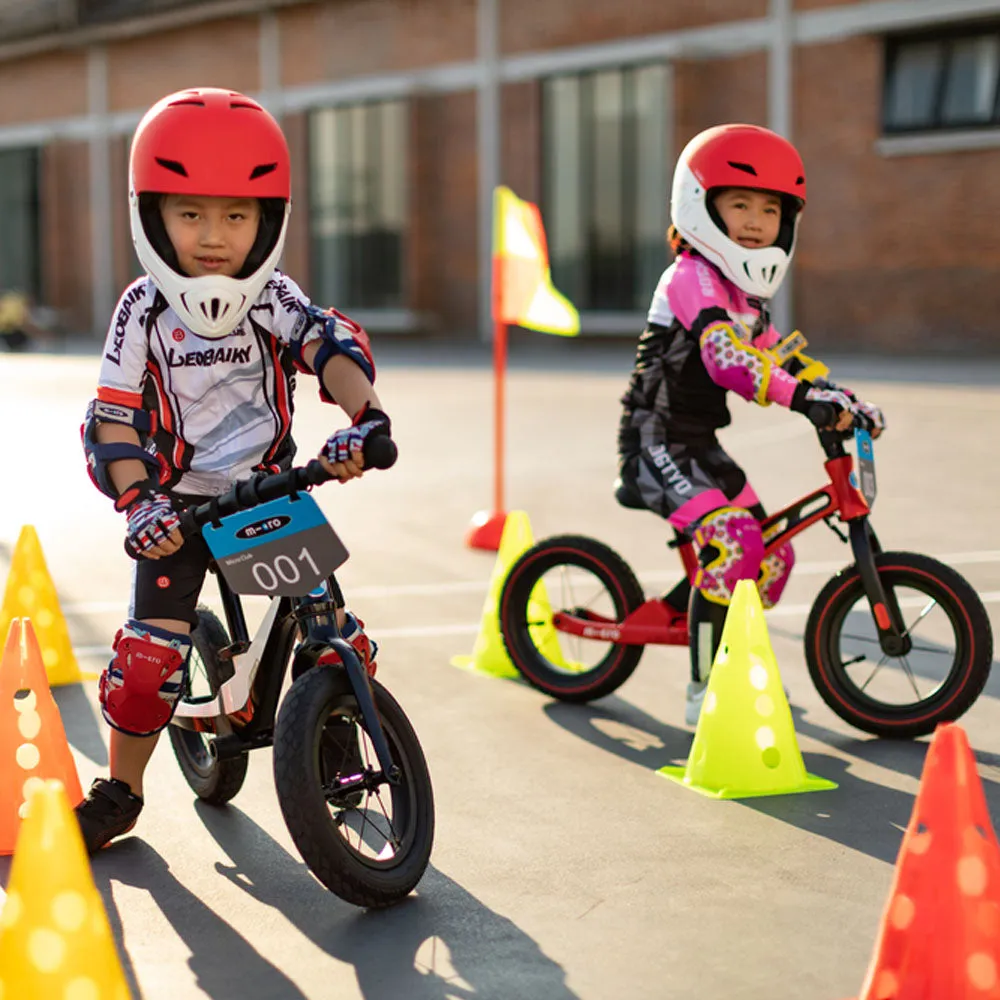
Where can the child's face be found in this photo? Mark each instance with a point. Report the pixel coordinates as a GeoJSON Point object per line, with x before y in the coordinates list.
{"type": "Point", "coordinates": [211, 235]}
{"type": "Point", "coordinates": [752, 218]}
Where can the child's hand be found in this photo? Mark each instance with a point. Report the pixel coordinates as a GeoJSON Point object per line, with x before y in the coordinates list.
{"type": "Point", "coordinates": [153, 525]}
{"type": "Point", "coordinates": [343, 454]}
{"type": "Point", "coordinates": [872, 415]}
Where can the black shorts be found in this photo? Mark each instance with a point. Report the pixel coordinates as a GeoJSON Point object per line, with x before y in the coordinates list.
{"type": "Point", "coordinates": [169, 587]}
{"type": "Point", "coordinates": [666, 476]}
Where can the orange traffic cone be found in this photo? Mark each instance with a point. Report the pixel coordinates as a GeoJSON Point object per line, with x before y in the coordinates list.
{"type": "Point", "coordinates": [940, 935]}
{"type": "Point", "coordinates": [55, 940]}
{"type": "Point", "coordinates": [33, 743]}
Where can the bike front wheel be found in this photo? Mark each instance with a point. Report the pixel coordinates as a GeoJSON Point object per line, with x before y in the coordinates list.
{"type": "Point", "coordinates": [366, 839]}
{"type": "Point", "coordinates": [579, 575]}
{"type": "Point", "coordinates": [939, 676]}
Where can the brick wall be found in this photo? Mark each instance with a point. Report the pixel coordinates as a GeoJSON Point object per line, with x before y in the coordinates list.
{"type": "Point", "coordinates": [896, 253]}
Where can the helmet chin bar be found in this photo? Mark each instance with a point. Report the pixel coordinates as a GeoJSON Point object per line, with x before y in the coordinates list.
{"type": "Point", "coordinates": [215, 304]}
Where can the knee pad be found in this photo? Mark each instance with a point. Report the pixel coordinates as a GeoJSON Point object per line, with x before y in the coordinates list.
{"type": "Point", "coordinates": [732, 548]}
{"type": "Point", "coordinates": [774, 571]}
{"type": "Point", "coordinates": [140, 686]}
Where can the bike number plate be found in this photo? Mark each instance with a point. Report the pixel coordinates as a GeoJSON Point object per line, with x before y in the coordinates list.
{"type": "Point", "coordinates": [865, 457]}
{"type": "Point", "coordinates": [283, 548]}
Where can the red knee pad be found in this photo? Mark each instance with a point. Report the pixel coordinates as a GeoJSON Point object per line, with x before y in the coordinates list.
{"type": "Point", "coordinates": [141, 685]}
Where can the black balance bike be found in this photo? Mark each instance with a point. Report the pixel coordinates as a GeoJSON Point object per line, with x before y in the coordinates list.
{"type": "Point", "coordinates": [349, 771]}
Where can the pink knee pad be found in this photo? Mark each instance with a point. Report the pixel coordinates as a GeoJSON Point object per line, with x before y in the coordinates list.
{"type": "Point", "coordinates": [140, 686]}
{"type": "Point", "coordinates": [774, 571]}
{"type": "Point", "coordinates": [735, 533]}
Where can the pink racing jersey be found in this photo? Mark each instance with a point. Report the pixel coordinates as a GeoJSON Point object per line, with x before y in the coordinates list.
{"type": "Point", "coordinates": [704, 337]}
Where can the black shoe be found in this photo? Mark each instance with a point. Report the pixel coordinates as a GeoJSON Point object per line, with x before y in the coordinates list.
{"type": "Point", "coordinates": [109, 810]}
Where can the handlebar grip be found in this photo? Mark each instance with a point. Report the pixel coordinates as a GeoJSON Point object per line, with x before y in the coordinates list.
{"type": "Point", "coordinates": [822, 414]}
{"type": "Point", "coordinates": [380, 452]}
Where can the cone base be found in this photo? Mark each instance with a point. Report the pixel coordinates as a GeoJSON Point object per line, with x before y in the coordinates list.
{"type": "Point", "coordinates": [505, 673]}
{"type": "Point", "coordinates": [486, 530]}
{"type": "Point", "coordinates": [811, 784]}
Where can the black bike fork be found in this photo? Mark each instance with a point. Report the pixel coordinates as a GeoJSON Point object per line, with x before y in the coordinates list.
{"type": "Point", "coordinates": [886, 613]}
{"type": "Point", "coordinates": [358, 677]}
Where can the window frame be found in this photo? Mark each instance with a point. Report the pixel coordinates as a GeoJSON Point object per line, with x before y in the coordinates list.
{"type": "Point", "coordinates": [946, 39]}
{"type": "Point", "coordinates": [35, 154]}
{"type": "Point", "coordinates": [318, 283]}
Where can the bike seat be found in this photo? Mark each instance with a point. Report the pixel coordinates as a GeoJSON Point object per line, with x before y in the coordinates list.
{"type": "Point", "coordinates": [628, 497]}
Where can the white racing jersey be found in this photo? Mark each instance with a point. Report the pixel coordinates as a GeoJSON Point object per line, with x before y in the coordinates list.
{"type": "Point", "coordinates": [221, 407]}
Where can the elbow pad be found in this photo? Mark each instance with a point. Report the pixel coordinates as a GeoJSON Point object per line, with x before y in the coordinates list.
{"type": "Point", "coordinates": [100, 456]}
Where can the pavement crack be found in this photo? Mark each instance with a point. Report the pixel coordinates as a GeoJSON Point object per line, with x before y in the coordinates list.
{"type": "Point", "coordinates": [590, 909]}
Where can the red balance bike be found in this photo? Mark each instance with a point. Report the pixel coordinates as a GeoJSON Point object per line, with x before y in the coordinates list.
{"type": "Point", "coordinates": [895, 643]}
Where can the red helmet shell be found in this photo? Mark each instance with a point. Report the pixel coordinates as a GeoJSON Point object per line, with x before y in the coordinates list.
{"type": "Point", "coordinates": [748, 156]}
{"type": "Point", "coordinates": [210, 142]}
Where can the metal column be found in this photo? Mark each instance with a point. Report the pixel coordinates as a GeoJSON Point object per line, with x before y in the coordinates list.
{"type": "Point", "coordinates": [488, 148]}
{"type": "Point", "coordinates": [102, 235]}
{"type": "Point", "coordinates": [779, 115]}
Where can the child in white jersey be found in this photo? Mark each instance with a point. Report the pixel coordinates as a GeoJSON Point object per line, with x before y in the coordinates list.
{"type": "Point", "coordinates": [195, 393]}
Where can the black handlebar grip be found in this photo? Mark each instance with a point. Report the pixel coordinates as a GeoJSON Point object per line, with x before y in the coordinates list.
{"type": "Point", "coordinates": [380, 452]}
{"type": "Point", "coordinates": [822, 414]}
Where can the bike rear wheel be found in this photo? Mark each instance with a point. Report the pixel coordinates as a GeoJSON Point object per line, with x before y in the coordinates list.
{"type": "Point", "coordinates": [936, 680]}
{"type": "Point", "coordinates": [569, 573]}
{"type": "Point", "coordinates": [210, 779]}
{"type": "Point", "coordinates": [371, 843]}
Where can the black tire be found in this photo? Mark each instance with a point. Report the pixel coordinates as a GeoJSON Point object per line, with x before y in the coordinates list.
{"type": "Point", "coordinates": [964, 670]}
{"type": "Point", "coordinates": [210, 779]}
{"type": "Point", "coordinates": [615, 589]}
{"type": "Point", "coordinates": [321, 825]}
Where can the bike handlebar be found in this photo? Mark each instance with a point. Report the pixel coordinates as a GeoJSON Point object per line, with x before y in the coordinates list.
{"type": "Point", "coordinates": [379, 452]}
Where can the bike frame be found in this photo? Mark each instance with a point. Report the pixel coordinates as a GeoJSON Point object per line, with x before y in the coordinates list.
{"type": "Point", "coordinates": [654, 623]}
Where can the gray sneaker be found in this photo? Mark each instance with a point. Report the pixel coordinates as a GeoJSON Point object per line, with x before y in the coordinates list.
{"type": "Point", "coordinates": [695, 698]}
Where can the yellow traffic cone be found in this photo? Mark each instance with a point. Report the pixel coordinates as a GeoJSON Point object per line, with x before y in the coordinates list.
{"type": "Point", "coordinates": [55, 940]}
{"type": "Point", "coordinates": [745, 743]}
{"type": "Point", "coordinates": [489, 655]}
{"type": "Point", "coordinates": [30, 593]}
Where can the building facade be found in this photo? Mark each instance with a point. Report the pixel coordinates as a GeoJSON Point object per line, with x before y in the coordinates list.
{"type": "Point", "coordinates": [402, 114]}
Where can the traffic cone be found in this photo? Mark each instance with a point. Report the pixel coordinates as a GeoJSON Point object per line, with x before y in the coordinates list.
{"type": "Point", "coordinates": [30, 593]}
{"type": "Point", "coordinates": [940, 934]}
{"type": "Point", "coordinates": [745, 743]}
{"type": "Point", "coordinates": [33, 743]}
{"type": "Point", "coordinates": [489, 655]}
{"type": "Point", "coordinates": [55, 940]}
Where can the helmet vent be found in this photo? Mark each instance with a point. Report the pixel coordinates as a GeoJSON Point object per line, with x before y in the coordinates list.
{"type": "Point", "coordinates": [261, 169]}
{"type": "Point", "coordinates": [243, 104]}
{"type": "Point", "coordinates": [745, 167]}
{"type": "Point", "coordinates": [187, 100]}
{"type": "Point", "coordinates": [172, 165]}
{"type": "Point", "coordinates": [214, 310]}
{"type": "Point", "coordinates": [800, 180]}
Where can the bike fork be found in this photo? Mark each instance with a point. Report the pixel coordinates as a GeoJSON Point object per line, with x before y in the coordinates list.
{"type": "Point", "coordinates": [362, 691]}
{"type": "Point", "coordinates": [886, 613]}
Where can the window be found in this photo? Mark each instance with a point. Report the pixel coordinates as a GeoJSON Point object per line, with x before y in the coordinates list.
{"type": "Point", "coordinates": [358, 205]}
{"type": "Point", "coordinates": [19, 248]}
{"type": "Point", "coordinates": [950, 81]}
{"type": "Point", "coordinates": [605, 187]}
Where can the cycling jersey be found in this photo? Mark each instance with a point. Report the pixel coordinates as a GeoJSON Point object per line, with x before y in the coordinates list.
{"type": "Point", "coordinates": [221, 407]}
{"type": "Point", "coordinates": [703, 337]}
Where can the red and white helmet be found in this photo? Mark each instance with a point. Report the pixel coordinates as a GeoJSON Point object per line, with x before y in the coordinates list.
{"type": "Point", "coordinates": [209, 142]}
{"type": "Point", "coordinates": [744, 156]}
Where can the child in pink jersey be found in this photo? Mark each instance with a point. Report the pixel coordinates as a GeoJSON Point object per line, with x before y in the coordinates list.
{"type": "Point", "coordinates": [737, 198]}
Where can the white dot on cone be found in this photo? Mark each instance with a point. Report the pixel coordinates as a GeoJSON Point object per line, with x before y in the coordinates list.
{"type": "Point", "coordinates": [26, 701]}
{"type": "Point", "coordinates": [81, 988]}
{"type": "Point", "coordinates": [27, 756]}
{"type": "Point", "coordinates": [758, 677]}
{"type": "Point", "coordinates": [901, 912]}
{"type": "Point", "coordinates": [765, 737]}
{"type": "Point", "coordinates": [50, 656]}
{"type": "Point", "coordinates": [46, 949]}
{"type": "Point", "coordinates": [972, 876]}
{"type": "Point", "coordinates": [69, 910]}
{"type": "Point", "coordinates": [982, 971]}
{"type": "Point", "coordinates": [29, 724]}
